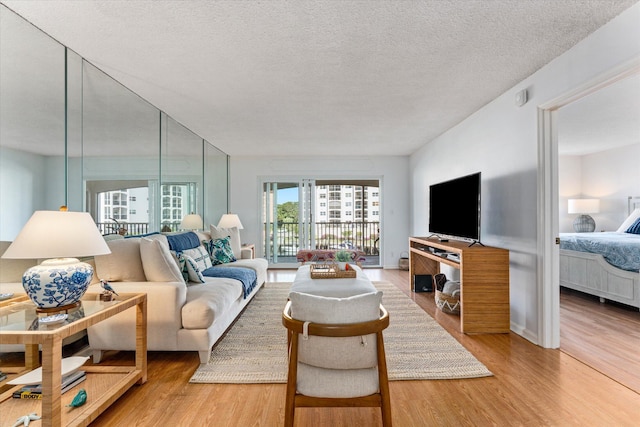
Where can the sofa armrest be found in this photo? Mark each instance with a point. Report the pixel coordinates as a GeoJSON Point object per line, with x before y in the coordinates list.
{"type": "Point", "coordinates": [164, 317]}
{"type": "Point", "coordinates": [248, 251]}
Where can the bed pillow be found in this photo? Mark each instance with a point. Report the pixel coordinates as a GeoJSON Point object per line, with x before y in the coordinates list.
{"type": "Point", "coordinates": [220, 251]}
{"type": "Point", "coordinates": [635, 227]}
{"type": "Point", "coordinates": [629, 221]}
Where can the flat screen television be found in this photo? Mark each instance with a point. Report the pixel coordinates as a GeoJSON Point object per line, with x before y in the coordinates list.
{"type": "Point", "coordinates": [454, 207]}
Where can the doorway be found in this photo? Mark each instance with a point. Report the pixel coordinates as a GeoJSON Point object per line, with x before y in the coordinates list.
{"type": "Point", "coordinates": [550, 198]}
{"type": "Point", "coordinates": [326, 214]}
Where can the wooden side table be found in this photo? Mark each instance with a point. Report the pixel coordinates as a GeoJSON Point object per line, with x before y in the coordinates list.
{"type": "Point", "coordinates": [104, 384]}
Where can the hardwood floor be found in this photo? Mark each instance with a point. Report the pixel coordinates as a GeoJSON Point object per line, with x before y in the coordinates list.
{"type": "Point", "coordinates": [531, 386]}
{"type": "Point", "coordinates": [604, 336]}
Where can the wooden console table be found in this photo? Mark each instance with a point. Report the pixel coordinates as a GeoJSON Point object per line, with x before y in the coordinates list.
{"type": "Point", "coordinates": [484, 280]}
{"type": "Point", "coordinates": [104, 384]}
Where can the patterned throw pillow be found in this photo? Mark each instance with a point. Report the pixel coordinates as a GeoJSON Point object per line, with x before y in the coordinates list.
{"type": "Point", "coordinates": [220, 251]}
{"type": "Point", "coordinates": [200, 255]}
{"type": "Point", "coordinates": [193, 272]}
{"type": "Point", "coordinates": [635, 227]}
{"type": "Point", "coordinates": [182, 263]}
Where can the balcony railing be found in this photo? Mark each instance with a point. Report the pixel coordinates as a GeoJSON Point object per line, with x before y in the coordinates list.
{"type": "Point", "coordinates": [133, 228]}
{"type": "Point", "coordinates": [364, 236]}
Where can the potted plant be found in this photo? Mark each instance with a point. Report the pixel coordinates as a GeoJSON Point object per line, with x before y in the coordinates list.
{"type": "Point", "coordinates": [342, 257]}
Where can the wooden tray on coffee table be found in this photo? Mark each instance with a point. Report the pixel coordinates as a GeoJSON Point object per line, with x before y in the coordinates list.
{"type": "Point", "coordinates": [331, 271]}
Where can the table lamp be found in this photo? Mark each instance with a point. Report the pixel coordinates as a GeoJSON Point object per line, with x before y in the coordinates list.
{"type": "Point", "coordinates": [192, 222]}
{"type": "Point", "coordinates": [58, 283]}
{"type": "Point", "coordinates": [584, 223]}
{"type": "Point", "coordinates": [230, 220]}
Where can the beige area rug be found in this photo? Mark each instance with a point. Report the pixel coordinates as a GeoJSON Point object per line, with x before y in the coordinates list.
{"type": "Point", "coordinates": [254, 349]}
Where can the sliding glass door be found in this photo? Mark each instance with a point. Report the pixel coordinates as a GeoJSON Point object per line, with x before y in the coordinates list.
{"type": "Point", "coordinates": [320, 214]}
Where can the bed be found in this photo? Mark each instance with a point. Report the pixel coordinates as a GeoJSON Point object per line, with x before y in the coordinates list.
{"type": "Point", "coordinates": [605, 264]}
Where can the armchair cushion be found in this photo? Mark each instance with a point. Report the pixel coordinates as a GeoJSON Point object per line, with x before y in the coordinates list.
{"type": "Point", "coordinates": [337, 353]}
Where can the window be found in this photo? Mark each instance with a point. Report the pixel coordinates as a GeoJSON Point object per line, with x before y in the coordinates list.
{"type": "Point", "coordinates": [132, 211]}
{"type": "Point", "coordinates": [132, 198]}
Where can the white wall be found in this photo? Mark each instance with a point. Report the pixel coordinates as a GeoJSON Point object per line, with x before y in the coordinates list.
{"type": "Point", "coordinates": [611, 176]}
{"type": "Point", "coordinates": [248, 172]}
{"type": "Point", "coordinates": [501, 141]}
{"type": "Point", "coordinates": [26, 186]}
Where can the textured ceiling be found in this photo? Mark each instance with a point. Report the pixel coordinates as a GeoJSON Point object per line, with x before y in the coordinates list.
{"type": "Point", "coordinates": [299, 77]}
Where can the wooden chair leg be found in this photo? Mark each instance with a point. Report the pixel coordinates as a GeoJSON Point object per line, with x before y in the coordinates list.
{"type": "Point", "coordinates": [383, 382]}
{"type": "Point", "coordinates": [292, 380]}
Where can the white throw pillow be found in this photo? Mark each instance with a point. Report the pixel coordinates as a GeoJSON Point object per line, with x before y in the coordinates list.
{"type": "Point", "coordinates": [194, 273]}
{"type": "Point", "coordinates": [629, 221]}
{"type": "Point", "coordinates": [200, 256]}
{"type": "Point", "coordinates": [234, 233]}
{"type": "Point", "coordinates": [158, 263]}
{"type": "Point", "coordinates": [337, 353]}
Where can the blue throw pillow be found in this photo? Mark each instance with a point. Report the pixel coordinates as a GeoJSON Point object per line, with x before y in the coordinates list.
{"type": "Point", "coordinates": [635, 227]}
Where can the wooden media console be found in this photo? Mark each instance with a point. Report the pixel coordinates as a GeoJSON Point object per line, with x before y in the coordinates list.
{"type": "Point", "coordinates": [484, 280]}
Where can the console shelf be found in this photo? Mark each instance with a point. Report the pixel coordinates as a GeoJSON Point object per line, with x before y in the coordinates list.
{"type": "Point", "coordinates": [484, 280]}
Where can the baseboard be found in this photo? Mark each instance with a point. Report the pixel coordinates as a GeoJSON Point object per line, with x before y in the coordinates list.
{"type": "Point", "coordinates": [524, 333]}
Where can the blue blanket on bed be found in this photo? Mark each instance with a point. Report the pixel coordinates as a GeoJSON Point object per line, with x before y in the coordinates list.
{"type": "Point", "coordinates": [247, 276]}
{"type": "Point", "coordinates": [621, 250]}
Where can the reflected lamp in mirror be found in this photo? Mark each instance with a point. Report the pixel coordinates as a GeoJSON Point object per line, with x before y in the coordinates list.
{"type": "Point", "coordinates": [192, 222]}
{"type": "Point", "coordinates": [61, 280]}
{"type": "Point", "coordinates": [229, 221]}
{"type": "Point", "coordinates": [584, 223]}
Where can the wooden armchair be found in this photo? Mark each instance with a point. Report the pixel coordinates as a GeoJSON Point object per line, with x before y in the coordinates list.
{"type": "Point", "coordinates": [336, 364]}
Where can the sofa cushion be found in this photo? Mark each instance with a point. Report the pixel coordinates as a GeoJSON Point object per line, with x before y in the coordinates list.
{"type": "Point", "coordinates": [123, 264]}
{"type": "Point", "coordinates": [233, 233]}
{"type": "Point", "coordinates": [208, 301]}
{"type": "Point", "coordinates": [220, 251]}
{"type": "Point", "coordinates": [337, 353]}
{"type": "Point", "coordinates": [157, 262]}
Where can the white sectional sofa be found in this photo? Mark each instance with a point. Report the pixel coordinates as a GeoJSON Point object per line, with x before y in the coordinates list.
{"type": "Point", "coordinates": [182, 315]}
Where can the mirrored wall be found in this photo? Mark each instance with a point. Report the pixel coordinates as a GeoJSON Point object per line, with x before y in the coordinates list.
{"type": "Point", "coordinates": [71, 135]}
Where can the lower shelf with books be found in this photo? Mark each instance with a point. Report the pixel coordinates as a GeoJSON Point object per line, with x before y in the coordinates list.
{"type": "Point", "coordinates": [99, 386]}
{"type": "Point", "coordinates": [35, 391]}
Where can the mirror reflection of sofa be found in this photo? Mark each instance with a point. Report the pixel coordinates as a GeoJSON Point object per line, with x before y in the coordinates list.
{"type": "Point", "coordinates": [182, 313]}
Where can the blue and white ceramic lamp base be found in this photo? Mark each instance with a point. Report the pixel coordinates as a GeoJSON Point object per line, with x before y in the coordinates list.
{"type": "Point", "coordinates": [57, 283]}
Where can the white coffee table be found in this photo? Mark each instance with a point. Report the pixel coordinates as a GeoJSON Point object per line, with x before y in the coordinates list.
{"type": "Point", "coordinates": [335, 288]}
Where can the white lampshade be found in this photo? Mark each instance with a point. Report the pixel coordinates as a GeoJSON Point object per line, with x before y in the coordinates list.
{"type": "Point", "coordinates": [584, 206]}
{"type": "Point", "coordinates": [58, 234]}
{"type": "Point", "coordinates": [192, 222]}
{"type": "Point", "coordinates": [229, 221]}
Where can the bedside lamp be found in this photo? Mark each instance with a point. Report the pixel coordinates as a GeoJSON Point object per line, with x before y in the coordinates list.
{"type": "Point", "coordinates": [192, 222]}
{"type": "Point", "coordinates": [584, 223]}
{"type": "Point", "coordinates": [57, 284]}
{"type": "Point", "coordinates": [229, 221]}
